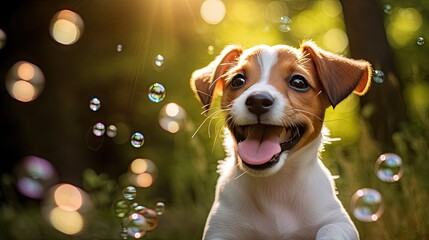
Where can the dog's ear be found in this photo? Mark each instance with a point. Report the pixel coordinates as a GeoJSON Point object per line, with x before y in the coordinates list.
{"type": "Point", "coordinates": [340, 76]}
{"type": "Point", "coordinates": [210, 79]}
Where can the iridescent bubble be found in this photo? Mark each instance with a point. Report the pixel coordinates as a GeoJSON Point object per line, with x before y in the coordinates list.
{"type": "Point", "coordinates": [136, 225]}
{"type": "Point", "coordinates": [124, 233]}
{"type": "Point", "coordinates": [119, 48]}
{"type": "Point", "coordinates": [156, 92]}
{"type": "Point", "coordinates": [172, 117]}
{"type": "Point", "coordinates": [94, 104]}
{"type": "Point", "coordinates": [387, 8]}
{"type": "Point", "coordinates": [121, 208]}
{"type": "Point", "coordinates": [34, 176]}
{"type": "Point", "coordinates": [24, 81]}
{"type": "Point", "coordinates": [66, 27]}
{"type": "Point", "coordinates": [284, 24]}
{"type": "Point", "coordinates": [129, 193]}
{"type": "Point", "coordinates": [378, 76]}
{"type": "Point", "coordinates": [366, 205]}
{"type": "Point", "coordinates": [112, 131]}
{"type": "Point", "coordinates": [420, 41]}
{"type": "Point", "coordinates": [160, 208]}
{"type": "Point", "coordinates": [137, 140]}
{"type": "Point", "coordinates": [388, 167]}
{"type": "Point", "coordinates": [151, 219]}
{"type": "Point", "coordinates": [2, 38]}
{"type": "Point", "coordinates": [98, 129]}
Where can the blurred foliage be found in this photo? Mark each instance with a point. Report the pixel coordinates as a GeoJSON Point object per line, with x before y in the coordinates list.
{"type": "Point", "coordinates": [57, 126]}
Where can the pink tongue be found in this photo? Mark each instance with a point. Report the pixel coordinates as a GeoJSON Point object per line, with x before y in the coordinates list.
{"type": "Point", "coordinates": [261, 144]}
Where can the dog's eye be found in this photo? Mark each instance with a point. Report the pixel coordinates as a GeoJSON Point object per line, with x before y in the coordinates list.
{"type": "Point", "coordinates": [299, 83]}
{"type": "Point", "coordinates": [238, 81]}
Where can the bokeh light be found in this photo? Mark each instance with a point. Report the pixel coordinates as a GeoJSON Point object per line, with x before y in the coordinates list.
{"type": "Point", "coordinates": [2, 38]}
{"type": "Point", "coordinates": [34, 176]}
{"type": "Point", "coordinates": [143, 172]}
{"type": "Point", "coordinates": [403, 25]}
{"type": "Point", "coordinates": [388, 167]}
{"type": "Point", "coordinates": [68, 197]}
{"type": "Point", "coordinates": [112, 131]}
{"type": "Point", "coordinates": [172, 117]}
{"type": "Point", "coordinates": [24, 81]}
{"type": "Point", "coordinates": [366, 205]}
{"type": "Point", "coordinates": [213, 11]}
{"type": "Point", "coordinates": [335, 40]}
{"type": "Point", "coordinates": [66, 27]}
{"type": "Point", "coordinates": [68, 222]}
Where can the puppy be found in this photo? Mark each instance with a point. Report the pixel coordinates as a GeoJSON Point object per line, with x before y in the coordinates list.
{"type": "Point", "coordinates": [272, 184]}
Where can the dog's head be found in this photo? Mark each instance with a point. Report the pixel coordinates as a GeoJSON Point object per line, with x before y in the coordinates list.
{"type": "Point", "coordinates": [276, 97]}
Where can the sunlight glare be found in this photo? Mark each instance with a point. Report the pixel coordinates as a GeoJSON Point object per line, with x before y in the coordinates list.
{"type": "Point", "coordinates": [213, 11]}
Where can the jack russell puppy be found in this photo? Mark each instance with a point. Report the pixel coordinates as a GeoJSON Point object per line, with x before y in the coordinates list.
{"type": "Point", "coordinates": [272, 184]}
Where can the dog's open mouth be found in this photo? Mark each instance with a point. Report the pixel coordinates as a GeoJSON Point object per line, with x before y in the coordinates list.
{"type": "Point", "coordinates": [259, 145]}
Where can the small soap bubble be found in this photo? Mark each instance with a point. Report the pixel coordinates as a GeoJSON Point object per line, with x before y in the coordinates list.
{"type": "Point", "coordinates": [388, 167]}
{"type": "Point", "coordinates": [160, 208]}
{"type": "Point", "coordinates": [387, 8]}
{"type": "Point", "coordinates": [159, 60]}
{"type": "Point", "coordinates": [151, 218]}
{"type": "Point", "coordinates": [121, 208]}
{"type": "Point", "coordinates": [94, 104]}
{"type": "Point", "coordinates": [119, 48]}
{"type": "Point", "coordinates": [112, 131]}
{"type": "Point", "coordinates": [210, 50]}
{"type": "Point", "coordinates": [366, 205]}
{"type": "Point", "coordinates": [137, 140]}
{"type": "Point", "coordinates": [378, 76]}
{"type": "Point", "coordinates": [98, 129]}
{"type": "Point", "coordinates": [284, 24]}
{"type": "Point", "coordinates": [129, 193]}
{"type": "Point", "coordinates": [156, 92]}
{"type": "Point", "coordinates": [124, 233]}
{"type": "Point", "coordinates": [420, 41]}
{"type": "Point", "coordinates": [136, 225]}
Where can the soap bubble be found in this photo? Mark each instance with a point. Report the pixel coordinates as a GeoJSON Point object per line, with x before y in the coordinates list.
{"type": "Point", "coordinates": [66, 27]}
{"type": "Point", "coordinates": [387, 8]}
{"type": "Point", "coordinates": [159, 62]}
{"type": "Point", "coordinates": [137, 140]}
{"type": "Point", "coordinates": [420, 41]}
{"type": "Point", "coordinates": [367, 205]}
{"type": "Point", "coordinates": [378, 76]}
{"type": "Point", "coordinates": [24, 81]}
{"type": "Point", "coordinates": [98, 129]}
{"type": "Point", "coordinates": [111, 131]}
{"type": "Point", "coordinates": [34, 176]}
{"type": "Point", "coordinates": [156, 92]}
{"type": "Point", "coordinates": [136, 225]}
{"type": "Point", "coordinates": [172, 117]}
{"type": "Point", "coordinates": [121, 208]}
{"type": "Point", "coordinates": [389, 167]}
{"type": "Point", "coordinates": [129, 193]}
{"type": "Point", "coordinates": [151, 218]}
{"type": "Point", "coordinates": [284, 24]}
{"type": "Point", "coordinates": [94, 104]}
{"type": "Point", "coordinates": [210, 50]}
{"type": "Point", "coordinates": [119, 48]}
{"type": "Point", "coordinates": [160, 208]}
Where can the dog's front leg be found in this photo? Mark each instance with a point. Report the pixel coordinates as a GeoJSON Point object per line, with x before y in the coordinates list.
{"type": "Point", "coordinates": [338, 230]}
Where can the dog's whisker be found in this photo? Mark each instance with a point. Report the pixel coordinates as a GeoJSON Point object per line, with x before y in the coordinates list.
{"type": "Point", "coordinates": [204, 121]}
{"type": "Point", "coordinates": [239, 176]}
{"type": "Point", "coordinates": [310, 113]}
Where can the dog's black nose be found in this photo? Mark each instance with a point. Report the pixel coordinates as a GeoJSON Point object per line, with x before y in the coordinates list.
{"type": "Point", "coordinates": [259, 102]}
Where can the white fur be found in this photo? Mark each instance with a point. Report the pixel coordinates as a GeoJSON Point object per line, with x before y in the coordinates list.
{"type": "Point", "coordinates": [298, 202]}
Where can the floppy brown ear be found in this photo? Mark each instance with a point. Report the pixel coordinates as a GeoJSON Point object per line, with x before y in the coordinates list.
{"type": "Point", "coordinates": [340, 76]}
{"type": "Point", "coordinates": [208, 80]}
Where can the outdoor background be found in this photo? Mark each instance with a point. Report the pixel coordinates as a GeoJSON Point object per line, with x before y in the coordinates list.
{"type": "Point", "coordinates": [53, 62]}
